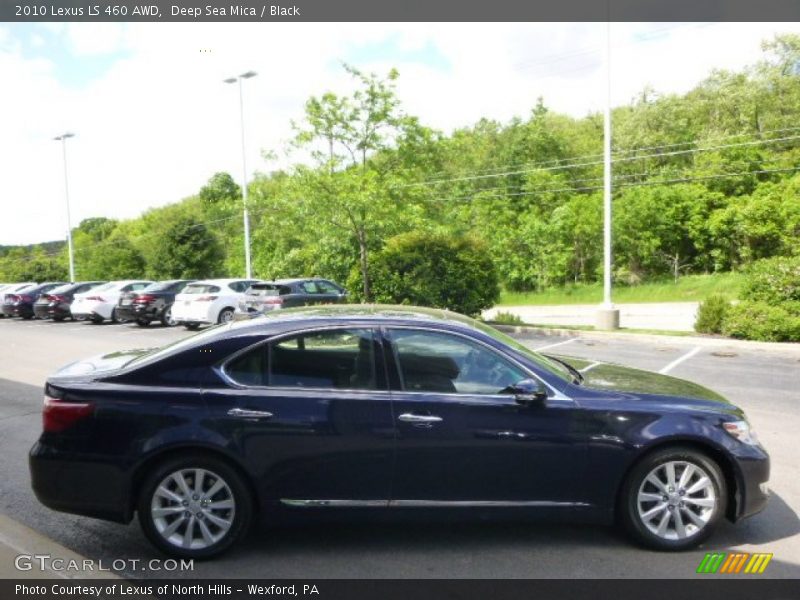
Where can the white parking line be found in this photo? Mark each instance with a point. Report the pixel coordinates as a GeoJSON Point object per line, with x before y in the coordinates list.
{"type": "Point", "coordinates": [590, 367]}
{"type": "Point", "coordinates": [679, 360]}
{"type": "Point", "coordinates": [554, 345]}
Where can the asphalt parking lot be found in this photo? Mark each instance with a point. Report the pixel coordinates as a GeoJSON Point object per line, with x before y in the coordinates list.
{"type": "Point", "coordinates": [763, 382]}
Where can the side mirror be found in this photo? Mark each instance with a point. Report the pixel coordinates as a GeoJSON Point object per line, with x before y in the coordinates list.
{"type": "Point", "coordinates": [528, 392]}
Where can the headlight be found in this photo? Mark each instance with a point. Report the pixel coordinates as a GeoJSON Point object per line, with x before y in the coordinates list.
{"type": "Point", "coordinates": [742, 432]}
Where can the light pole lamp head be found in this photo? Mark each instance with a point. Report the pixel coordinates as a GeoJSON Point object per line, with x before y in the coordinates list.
{"type": "Point", "coordinates": [229, 80]}
{"type": "Point", "coordinates": [248, 75]}
{"type": "Point", "coordinates": [64, 136]}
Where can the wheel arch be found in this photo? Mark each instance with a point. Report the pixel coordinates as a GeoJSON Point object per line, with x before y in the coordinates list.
{"type": "Point", "coordinates": [731, 476]}
{"type": "Point", "coordinates": [169, 453]}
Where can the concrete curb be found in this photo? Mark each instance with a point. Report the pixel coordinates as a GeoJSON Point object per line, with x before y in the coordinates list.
{"type": "Point", "coordinates": [790, 348]}
{"type": "Point", "coordinates": [17, 539]}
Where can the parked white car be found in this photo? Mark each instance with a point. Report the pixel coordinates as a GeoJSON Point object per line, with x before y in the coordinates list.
{"type": "Point", "coordinates": [12, 288]}
{"type": "Point", "coordinates": [99, 303]}
{"type": "Point", "coordinates": [209, 301]}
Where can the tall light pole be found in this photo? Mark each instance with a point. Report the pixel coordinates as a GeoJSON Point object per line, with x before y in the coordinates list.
{"type": "Point", "coordinates": [63, 139]}
{"type": "Point", "coordinates": [246, 216]}
{"type": "Point", "coordinates": [607, 315]}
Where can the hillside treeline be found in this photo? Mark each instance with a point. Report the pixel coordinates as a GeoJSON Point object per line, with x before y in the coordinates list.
{"type": "Point", "coordinates": [704, 182]}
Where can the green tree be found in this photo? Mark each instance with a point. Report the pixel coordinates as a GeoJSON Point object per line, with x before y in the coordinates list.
{"type": "Point", "coordinates": [426, 268]}
{"type": "Point", "coordinates": [187, 250]}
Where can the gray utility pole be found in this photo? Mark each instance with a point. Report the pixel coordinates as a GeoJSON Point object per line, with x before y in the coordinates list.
{"type": "Point", "coordinates": [246, 216]}
{"type": "Point", "coordinates": [607, 315]}
{"type": "Point", "coordinates": [63, 139]}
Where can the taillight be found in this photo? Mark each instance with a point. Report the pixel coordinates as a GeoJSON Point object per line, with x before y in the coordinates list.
{"type": "Point", "coordinates": [96, 298]}
{"type": "Point", "coordinates": [206, 298]}
{"type": "Point", "coordinates": [144, 299]}
{"type": "Point", "coordinates": [58, 415]}
{"type": "Point", "coordinates": [272, 300]}
{"type": "Point", "coordinates": [56, 298]}
{"type": "Point", "coordinates": [12, 298]}
{"type": "Point", "coordinates": [25, 298]}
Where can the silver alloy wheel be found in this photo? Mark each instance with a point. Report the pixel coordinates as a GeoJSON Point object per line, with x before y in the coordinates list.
{"type": "Point", "coordinates": [168, 320]}
{"type": "Point", "coordinates": [226, 316]}
{"type": "Point", "coordinates": [193, 508]}
{"type": "Point", "coordinates": [676, 500]}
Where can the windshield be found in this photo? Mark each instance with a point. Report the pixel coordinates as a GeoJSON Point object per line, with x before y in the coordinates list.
{"type": "Point", "coordinates": [266, 289]}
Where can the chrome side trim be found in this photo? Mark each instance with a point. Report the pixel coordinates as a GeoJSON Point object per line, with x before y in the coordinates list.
{"type": "Point", "coordinates": [482, 503]}
{"type": "Point", "coordinates": [334, 503]}
{"type": "Point", "coordinates": [429, 503]}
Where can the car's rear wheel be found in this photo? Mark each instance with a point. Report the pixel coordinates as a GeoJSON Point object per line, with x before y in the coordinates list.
{"type": "Point", "coordinates": [192, 326]}
{"type": "Point", "coordinates": [194, 506]}
{"type": "Point", "coordinates": [673, 499]}
{"type": "Point", "coordinates": [142, 322]}
{"type": "Point", "coordinates": [225, 315]}
{"type": "Point", "coordinates": [166, 318]}
{"type": "Point", "coordinates": [97, 319]}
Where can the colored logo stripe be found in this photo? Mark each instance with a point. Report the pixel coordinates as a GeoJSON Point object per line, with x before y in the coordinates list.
{"type": "Point", "coordinates": [722, 562]}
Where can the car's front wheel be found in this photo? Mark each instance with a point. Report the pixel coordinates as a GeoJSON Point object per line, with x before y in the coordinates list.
{"type": "Point", "coordinates": [194, 507]}
{"type": "Point", "coordinates": [673, 499]}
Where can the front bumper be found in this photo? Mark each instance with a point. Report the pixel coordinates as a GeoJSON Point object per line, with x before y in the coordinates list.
{"type": "Point", "coordinates": [752, 492]}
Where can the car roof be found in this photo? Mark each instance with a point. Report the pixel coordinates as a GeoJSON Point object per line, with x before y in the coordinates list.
{"type": "Point", "coordinates": [220, 281]}
{"type": "Point", "coordinates": [358, 312]}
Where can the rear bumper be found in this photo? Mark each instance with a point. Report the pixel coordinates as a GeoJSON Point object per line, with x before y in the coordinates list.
{"type": "Point", "coordinates": [191, 314]}
{"type": "Point", "coordinates": [18, 310]}
{"type": "Point", "coordinates": [132, 312]}
{"type": "Point", "coordinates": [79, 486]}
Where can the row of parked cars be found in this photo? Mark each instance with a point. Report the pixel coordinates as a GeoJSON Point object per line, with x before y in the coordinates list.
{"type": "Point", "coordinates": [175, 302]}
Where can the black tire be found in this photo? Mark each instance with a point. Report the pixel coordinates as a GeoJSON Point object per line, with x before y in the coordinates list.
{"type": "Point", "coordinates": [166, 318]}
{"type": "Point", "coordinates": [58, 319]}
{"type": "Point", "coordinates": [114, 316]}
{"type": "Point", "coordinates": [142, 322]}
{"type": "Point", "coordinates": [214, 468]}
{"type": "Point", "coordinates": [27, 317]}
{"type": "Point", "coordinates": [192, 326]}
{"type": "Point", "coordinates": [225, 315]}
{"type": "Point", "coordinates": [628, 508]}
{"type": "Point", "coordinates": [96, 320]}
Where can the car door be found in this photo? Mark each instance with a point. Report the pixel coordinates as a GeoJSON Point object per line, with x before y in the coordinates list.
{"type": "Point", "coordinates": [463, 440]}
{"type": "Point", "coordinates": [329, 293]}
{"type": "Point", "coordinates": [311, 415]}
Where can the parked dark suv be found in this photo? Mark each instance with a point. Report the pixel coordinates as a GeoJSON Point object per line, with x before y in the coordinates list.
{"type": "Point", "coordinates": [21, 304]}
{"type": "Point", "coordinates": [265, 296]}
{"type": "Point", "coordinates": [153, 303]}
{"type": "Point", "coordinates": [55, 303]}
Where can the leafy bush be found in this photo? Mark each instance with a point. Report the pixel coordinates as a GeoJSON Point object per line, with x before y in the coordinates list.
{"type": "Point", "coordinates": [765, 322]}
{"type": "Point", "coordinates": [434, 269]}
{"type": "Point", "coordinates": [773, 280]}
{"type": "Point", "coordinates": [711, 314]}
{"type": "Point", "coordinates": [507, 318]}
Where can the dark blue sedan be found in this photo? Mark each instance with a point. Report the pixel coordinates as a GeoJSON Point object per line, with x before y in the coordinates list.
{"type": "Point", "coordinates": [385, 411]}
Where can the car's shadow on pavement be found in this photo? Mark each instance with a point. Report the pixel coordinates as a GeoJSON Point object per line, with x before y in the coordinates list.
{"type": "Point", "coordinates": [777, 521]}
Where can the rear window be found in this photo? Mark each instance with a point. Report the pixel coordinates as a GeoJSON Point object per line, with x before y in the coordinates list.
{"type": "Point", "coordinates": [201, 288]}
{"type": "Point", "coordinates": [268, 289]}
{"type": "Point", "coordinates": [105, 286]}
{"type": "Point", "coordinates": [62, 289]}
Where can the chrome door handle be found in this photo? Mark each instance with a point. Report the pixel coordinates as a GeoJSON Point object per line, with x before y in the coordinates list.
{"type": "Point", "coordinates": [412, 418]}
{"type": "Point", "coordinates": [249, 414]}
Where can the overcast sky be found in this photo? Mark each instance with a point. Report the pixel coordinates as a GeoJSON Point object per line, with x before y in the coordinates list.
{"type": "Point", "coordinates": [153, 120]}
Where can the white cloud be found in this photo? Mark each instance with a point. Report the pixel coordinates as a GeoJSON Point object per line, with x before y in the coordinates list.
{"type": "Point", "coordinates": [159, 122]}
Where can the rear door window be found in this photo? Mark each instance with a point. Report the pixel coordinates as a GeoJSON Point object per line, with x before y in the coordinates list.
{"type": "Point", "coordinates": [330, 359]}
